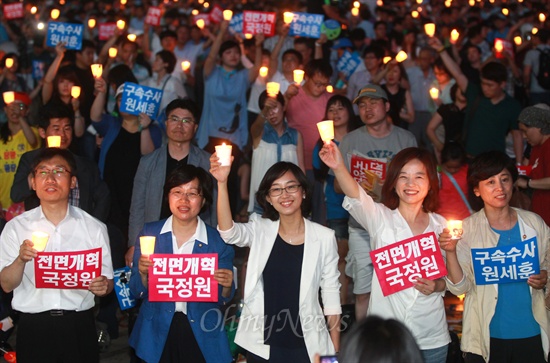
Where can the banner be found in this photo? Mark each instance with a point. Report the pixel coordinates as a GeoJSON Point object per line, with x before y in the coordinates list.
{"type": "Point", "coordinates": [70, 34]}
{"type": "Point", "coordinates": [348, 63]}
{"type": "Point", "coordinates": [524, 170]}
{"type": "Point", "coordinates": [400, 264]}
{"type": "Point", "coordinates": [122, 288]}
{"type": "Point", "coordinates": [67, 270]}
{"type": "Point", "coordinates": [183, 277]}
{"type": "Point", "coordinates": [106, 30]}
{"type": "Point", "coordinates": [306, 25]}
{"type": "Point", "coordinates": [138, 99]}
{"type": "Point", "coordinates": [236, 24]}
{"type": "Point", "coordinates": [216, 14]}
{"type": "Point", "coordinates": [259, 22]}
{"type": "Point", "coordinates": [153, 16]}
{"type": "Point", "coordinates": [369, 174]}
{"type": "Point", "coordinates": [13, 11]}
{"type": "Point", "coordinates": [501, 265]}
{"type": "Point", "coordinates": [38, 69]}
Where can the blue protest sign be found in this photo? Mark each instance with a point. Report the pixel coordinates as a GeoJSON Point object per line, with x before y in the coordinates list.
{"type": "Point", "coordinates": [138, 99]}
{"type": "Point", "coordinates": [236, 24]}
{"type": "Point", "coordinates": [68, 33]}
{"type": "Point", "coordinates": [306, 25]}
{"type": "Point", "coordinates": [38, 69]}
{"type": "Point", "coordinates": [348, 63]}
{"type": "Point", "coordinates": [122, 288]}
{"type": "Point", "coordinates": [501, 265]}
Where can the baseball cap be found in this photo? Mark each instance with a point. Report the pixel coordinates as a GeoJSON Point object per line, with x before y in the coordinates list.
{"type": "Point", "coordinates": [371, 91]}
{"type": "Point", "coordinates": [22, 98]}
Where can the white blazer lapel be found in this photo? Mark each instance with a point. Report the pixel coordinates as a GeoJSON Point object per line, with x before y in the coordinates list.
{"type": "Point", "coordinates": [312, 246]}
{"type": "Point", "coordinates": [261, 250]}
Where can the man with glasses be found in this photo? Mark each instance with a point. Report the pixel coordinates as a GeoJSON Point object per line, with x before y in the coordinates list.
{"type": "Point", "coordinates": [54, 317]}
{"type": "Point", "coordinates": [148, 202]}
{"type": "Point", "coordinates": [378, 141]}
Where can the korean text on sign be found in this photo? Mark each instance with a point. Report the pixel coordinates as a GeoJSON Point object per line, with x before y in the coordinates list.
{"type": "Point", "coordinates": [348, 63]}
{"type": "Point", "coordinates": [13, 11]}
{"type": "Point", "coordinates": [183, 277]}
{"type": "Point", "coordinates": [216, 14]}
{"type": "Point", "coordinates": [122, 289]}
{"type": "Point", "coordinates": [501, 265]}
{"type": "Point", "coordinates": [236, 24]}
{"type": "Point", "coordinates": [106, 30]}
{"type": "Point", "coordinates": [67, 270]}
{"type": "Point", "coordinates": [259, 22]}
{"type": "Point", "coordinates": [306, 25]}
{"type": "Point", "coordinates": [153, 16]}
{"type": "Point", "coordinates": [138, 99]}
{"type": "Point", "coordinates": [359, 165]}
{"type": "Point", "coordinates": [70, 34]}
{"type": "Point", "coordinates": [399, 265]}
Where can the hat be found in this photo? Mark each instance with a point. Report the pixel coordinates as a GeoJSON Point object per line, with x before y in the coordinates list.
{"type": "Point", "coordinates": [371, 91]}
{"type": "Point", "coordinates": [536, 116]}
{"type": "Point", "coordinates": [342, 43]}
{"type": "Point", "coordinates": [119, 90]}
{"type": "Point", "coordinates": [23, 98]}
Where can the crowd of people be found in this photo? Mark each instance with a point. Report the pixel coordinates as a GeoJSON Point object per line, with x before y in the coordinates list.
{"type": "Point", "coordinates": [445, 116]}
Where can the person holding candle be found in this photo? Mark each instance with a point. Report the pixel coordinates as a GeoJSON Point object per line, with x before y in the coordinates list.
{"type": "Point", "coordinates": [16, 138]}
{"type": "Point", "coordinates": [504, 322]}
{"type": "Point", "coordinates": [290, 259]}
{"type": "Point", "coordinates": [272, 141]}
{"type": "Point", "coordinates": [409, 197]}
{"type": "Point", "coordinates": [189, 332]}
{"type": "Point", "coordinates": [70, 229]}
{"type": "Point", "coordinates": [10, 80]}
{"type": "Point", "coordinates": [531, 68]}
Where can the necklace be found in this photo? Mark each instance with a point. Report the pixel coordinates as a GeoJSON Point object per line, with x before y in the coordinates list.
{"type": "Point", "coordinates": [297, 234]}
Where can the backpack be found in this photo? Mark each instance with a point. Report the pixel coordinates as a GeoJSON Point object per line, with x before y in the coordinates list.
{"type": "Point", "coordinates": [543, 77]}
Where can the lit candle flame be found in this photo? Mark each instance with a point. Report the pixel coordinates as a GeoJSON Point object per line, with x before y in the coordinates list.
{"type": "Point", "coordinates": [113, 52]}
{"type": "Point", "coordinates": [534, 30]}
{"type": "Point", "coordinates": [9, 97]}
{"type": "Point", "coordinates": [434, 93]}
{"type": "Point", "coordinates": [401, 56]}
{"type": "Point", "coordinates": [356, 4]}
{"type": "Point", "coordinates": [9, 62]}
{"type": "Point", "coordinates": [542, 17]}
{"type": "Point", "coordinates": [54, 14]}
{"type": "Point", "coordinates": [499, 47]}
{"type": "Point", "coordinates": [288, 17]}
{"type": "Point", "coordinates": [132, 37]}
{"type": "Point", "coordinates": [298, 76]}
{"type": "Point", "coordinates": [185, 65]}
{"type": "Point", "coordinates": [518, 40]}
{"type": "Point", "coordinates": [263, 71]}
{"type": "Point", "coordinates": [414, 14]}
{"type": "Point", "coordinates": [34, 9]}
{"type": "Point", "coordinates": [91, 23]}
{"type": "Point", "coordinates": [54, 141]}
{"type": "Point", "coordinates": [200, 23]}
{"type": "Point", "coordinates": [272, 89]}
{"type": "Point", "coordinates": [75, 91]}
{"type": "Point", "coordinates": [454, 36]}
{"type": "Point", "coordinates": [227, 15]}
{"type": "Point", "coordinates": [429, 28]}
{"type": "Point", "coordinates": [330, 89]}
{"type": "Point", "coordinates": [120, 24]}
{"type": "Point", "coordinates": [97, 70]}
{"type": "Point", "coordinates": [505, 12]}
{"type": "Point", "coordinates": [355, 12]}
{"type": "Point", "coordinates": [387, 59]}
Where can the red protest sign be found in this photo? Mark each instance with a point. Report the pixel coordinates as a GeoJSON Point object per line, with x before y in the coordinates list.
{"type": "Point", "coordinates": [106, 30]}
{"type": "Point", "coordinates": [204, 17]}
{"type": "Point", "coordinates": [503, 46]}
{"type": "Point", "coordinates": [259, 22]}
{"type": "Point", "coordinates": [524, 170]}
{"type": "Point", "coordinates": [153, 16]}
{"type": "Point", "coordinates": [183, 277]}
{"type": "Point", "coordinates": [13, 11]}
{"type": "Point", "coordinates": [67, 270]}
{"type": "Point", "coordinates": [216, 15]}
{"type": "Point", "coordinates": [398, 265]}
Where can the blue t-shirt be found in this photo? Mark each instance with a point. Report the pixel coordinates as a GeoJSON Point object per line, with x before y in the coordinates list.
{"type": "Point", "coordinates": [513, 317]}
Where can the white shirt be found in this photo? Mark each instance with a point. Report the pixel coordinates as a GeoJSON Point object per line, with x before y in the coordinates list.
{"type": "Point", "coordinates": [423, 315]}
{"type": "Point", "coordinates": [173, 88]}
{"type": "Point", "coordinates": [186, 248]}
{"type": "Point", "coordinates": [78, 231]}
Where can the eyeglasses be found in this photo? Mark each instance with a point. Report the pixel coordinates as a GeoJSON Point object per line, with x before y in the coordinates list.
{"type": "Point", "coordinates": [189, 195]}
{"type": "Point", "coordinates": [291, 189]}
{"type": "Point", "coordinates": [57, 173]}
{"type": "Point", "coordinates": [184, 120]}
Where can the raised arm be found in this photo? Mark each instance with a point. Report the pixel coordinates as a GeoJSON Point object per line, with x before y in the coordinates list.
{"type": "Point", "coordinates": [330, 155]}
{"type": "Point", "coordinates": [449, 62]}
{"type": "Point", "coordinates": [274, 58]}
{"type": "Point", "coordinates": [221, 173]}
{"type": "Point", "coordinates": [98, 105]}
{"type": "Point", "coordinates": [430, 131]}
{"type": "Point", "coordinates": [47, 88]}
{"type": "Point", "coordinates": [253, 72]}
{"type": "Point", "coordinates": [210, 62]}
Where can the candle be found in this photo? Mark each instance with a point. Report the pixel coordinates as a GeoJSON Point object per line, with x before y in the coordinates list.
{"type": "Point", "coordinates": [379, 3]}
{"type": "Point", "coordinates": [248, 36]}
{"type": "Point", "coordinates": [472, 2]}
{"type": "Point", "coordinates": [34, 9]}
{"type": "Point", "coordinates": [147, 245]}
{"type": "Point", "coordinates": [419, 2]}
{"type": "Point", "coordinates": [123, 2]}
{"type": "Point", "coordinates": [326, 130]}
{"type": "Point", "coordinates": [448, 4]}
{"type": "Point", "coordinates": [263, 71]}
{"type": "Point", "coordinates": [194, 12]}
{"type": "Point", "coordinates": [542, 17]}
{"type": "Point", "coordinates": [54, 14]}
{"type": "Point", "coordinates": [434, 93]}
{"type": "Point", "coordinates": [454, 36]}
{"type": "Point", "coordinates": [288, 17]}
{"type": "Point", "coordinates": [330, 89]}
{"type": "Point", "coordinates": [356, 4]}
{"type": "Point", "coordinates": [387, 59]}
{"type": "Point", "coordinates": [185, 65]}
{"type": "Point", "coordinates": [505, 11]}
{"type": "Point", "coordinates": [120, 24]}
{"type": "Point", "coordinates": [272, 89]}
{"type": "Point", "coordinates": [298, 76]}
{"type": "Point", "coordinates": [535, 30]}
{"type": "Point", "coordinates": [39, 240]}
{"type": "Point", "coordinates": [132, 37]}
{"type": "Point", "coordinates": [53, 141]}
{"type": "Point", "coordinates": [429, 28]}
{"type": "Point", "coordinates": [113, 52]}
{"type": "Point", "coordinates": [355, 11]}
{"type": "Point", "coordinates": [518, 40]}
{"type": "Point", "coordinates": [200, 23]}
{"type": "Point", "coordinates": [91, 23]}
{"type": "Point", "coordinates": [206, 5]}
{"type": "Point", "coordinates": [9, 62]}
{"type": "Point", "coordinates": [223, 152]}
{"type": "Point", "coordinates": [499, 47]}
{"type": "Point", "coordinates": [227, 15]}
{"type": "Point", "coordinates": [414, 14]}
{"type": "Point", "coordinates": [455, 227]}
{"type": "Point", "coordinates": [97, 70]}
{"type": "Point", "coordinates": [401, 56]}
{"type": "Point", "coordinates": [40, 26]}
{"type": "Point", "coordinates": [75, 91]}
{"type": "Point", "coordinates": [9, 97]}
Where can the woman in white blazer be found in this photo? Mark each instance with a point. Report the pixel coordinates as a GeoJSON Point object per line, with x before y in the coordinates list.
{"type": "Point", "coordinates": [290, 259]}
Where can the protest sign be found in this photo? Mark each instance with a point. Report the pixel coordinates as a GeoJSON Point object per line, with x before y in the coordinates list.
{"type": "Point", "coordinates": [122, 288]}
{"type": "Point", "coordinates": [13, 11]}
{"type": "Point", "coordinates": [153, 16]}
{"type": "Point", "coordinates": [348, 63]}
{"type": "Point", "coordinates": [68, 33]}
{"type": "Point", "coordinates": [259, 22]}
{"type": "Point", "coordinates": [138, 99]}
{"type": "Point", "coordinates": [306, 25]}
{"type": "Point", "coordinates": [106, 30]}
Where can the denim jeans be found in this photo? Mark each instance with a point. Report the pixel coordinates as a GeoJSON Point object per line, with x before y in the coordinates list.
{"type": "Point", "coordinates": [436, 355]}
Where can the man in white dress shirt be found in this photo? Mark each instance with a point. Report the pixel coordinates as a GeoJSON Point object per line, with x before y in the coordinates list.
{"type": "Point", "coordinates": [55, 325]}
